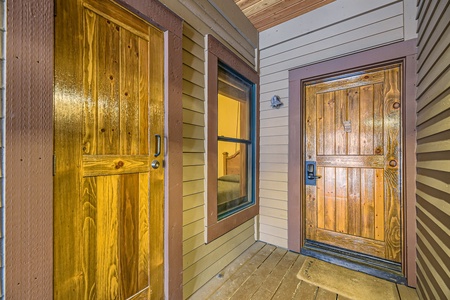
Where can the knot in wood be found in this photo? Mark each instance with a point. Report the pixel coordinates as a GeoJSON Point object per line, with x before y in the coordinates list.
{"type": "Point", "coordinates": [119, 164]}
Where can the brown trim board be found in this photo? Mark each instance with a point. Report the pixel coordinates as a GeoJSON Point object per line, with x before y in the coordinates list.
{"type": "Point", "coordinates": [29, 146]}
{"type": "Point", "coordinates": [29, 150]}
{"type": "Point", "coordinates": [405, 51]}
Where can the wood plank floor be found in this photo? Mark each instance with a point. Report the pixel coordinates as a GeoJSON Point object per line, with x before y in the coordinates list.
{"type": "Point", "coordinates": [264, 271]}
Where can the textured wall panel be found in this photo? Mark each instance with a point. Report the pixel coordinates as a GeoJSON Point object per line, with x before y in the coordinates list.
{"type": "Point", "coordinates": [433, 151]}
{"type": "Point", "coordinates": [29, 150]}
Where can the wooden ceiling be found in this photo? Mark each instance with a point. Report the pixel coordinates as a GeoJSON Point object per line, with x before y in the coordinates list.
{"type": "Point", "coordinates": [268, 13]}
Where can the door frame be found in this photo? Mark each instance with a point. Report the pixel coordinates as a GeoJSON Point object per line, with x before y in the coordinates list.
{"type": "Point", "coordinates": [402, 51]}
{"type": "Point", "coordinates": [29, 146]}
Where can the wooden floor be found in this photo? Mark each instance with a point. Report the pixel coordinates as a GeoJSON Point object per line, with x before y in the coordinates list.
{"type": "Point", "coordinates": [266, 272]}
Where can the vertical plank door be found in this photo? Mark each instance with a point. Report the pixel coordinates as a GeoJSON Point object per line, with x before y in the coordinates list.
{"type": "Point", "coordinates": [353, 133]}
{"type": "Point", "coordinates": [108, 214]}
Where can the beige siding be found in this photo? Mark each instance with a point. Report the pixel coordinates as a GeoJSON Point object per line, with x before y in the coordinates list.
{"type": "Point", "coordinates": [433, 150]}
{"type": "Point", "coordinates": [2, 126]}
{"type": "Point", "coordinates": [201, 261]}
{"type": "Point", "coordinates": [338, 29]}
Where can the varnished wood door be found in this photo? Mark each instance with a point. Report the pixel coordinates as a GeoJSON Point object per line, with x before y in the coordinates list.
{"type": "Point", "coordinates": [108, 214]}
{"type": "Point", "coordinates": [353, 132]}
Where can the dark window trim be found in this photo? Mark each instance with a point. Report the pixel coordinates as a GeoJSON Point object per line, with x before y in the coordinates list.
{"type": "Point", "coordinates": [216, 52]}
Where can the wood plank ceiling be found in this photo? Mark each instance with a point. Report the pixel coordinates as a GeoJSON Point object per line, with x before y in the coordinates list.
{"type": "Point", "coordinates": [267, 13]}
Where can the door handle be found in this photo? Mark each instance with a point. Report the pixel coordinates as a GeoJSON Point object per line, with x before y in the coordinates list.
{"type": "Point", "coordinates": [158, 145]}
{"type": "Point", "coordinates": [310, 173]}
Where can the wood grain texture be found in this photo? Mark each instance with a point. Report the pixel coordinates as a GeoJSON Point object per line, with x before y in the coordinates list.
{"type": "Point", "coordinates": [272, 282]}
{"type": "Point", "coordinates": [341, 200]}
{"type": "Point", "coordinates": [306, 291]}
{"type": "Point", "coordinates": [107, 227]}
{"type": "Point", "coordinates": [367, 203]}
{"type": "Point", "coordinates": [351, 161]}
{"type": "Point", "coordinates": [31, 44]}
{"type": "Point", "coordinates": [366, 120]}
{"type": "Point", "coordinates": [358, 161]}
{"type": "Point", "coordinates": [340, 85]}
{"type": "Point", "coordinates": [392, 138]}
{"type": "Point", "coordinates": [329, 126]}
{"type": "Point", "coordinates": [309, 69]}
{"type": "Point", "coordinates": [353, 116]}
{"type": "Point", "coordinates": [354, 243]}
{"type": "Point", "coordinates": [109, 88]}
{"type": "Point", "coordinates": [157, 207]}
{"type": "Point", "coordinates": [121, 196]}
{"type": "Point", "coordinates": [94, 165]}
{"type": "Point", "coordinates": [312, 124]}
{"type": "Point", "coordinates": [283, 281]}
{"type": "Point", "coordinates": [341, 116]}
{"type": "Point", "coordinates": [329, 213]}
{"type": "Point", "coordinates": [354, 204]}
{"type": "Point", "coordinates": [269, 13]}
{"type": "Point", "coordinates": [255, 283]}
{"type": "Point", "coordinates": [290, 285]}
{"type": "Point", "coordinates": [67, 140]}
{"type": "Point", "coordinates": [227, 289]}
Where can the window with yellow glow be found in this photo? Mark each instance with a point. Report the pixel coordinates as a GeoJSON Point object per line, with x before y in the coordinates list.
{"type": "Point", "coordinates": [235, 146]}
{"type": "Point", "coordinates": [232, 141]}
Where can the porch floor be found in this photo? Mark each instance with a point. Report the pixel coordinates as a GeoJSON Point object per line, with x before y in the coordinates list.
{"type": "Point", "coordinates": [263, 272]}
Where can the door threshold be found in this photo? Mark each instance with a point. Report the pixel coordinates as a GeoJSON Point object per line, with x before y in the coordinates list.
{"type": "Point", "coordinates": [378, 267]}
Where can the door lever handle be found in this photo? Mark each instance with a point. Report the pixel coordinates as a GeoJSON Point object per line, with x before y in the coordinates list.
{"type": "Point", "coordinates": [158, 145]}
{"type": "Point", "coordinates": [311, 175]}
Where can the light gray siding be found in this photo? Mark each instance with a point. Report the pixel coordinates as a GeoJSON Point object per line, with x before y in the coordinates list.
{"type": "Point", "coordinates": [433, 150]}
{"type": "Point", "coordinates": [225, 21]}
{"type": "Point", "coordinates": [340, 28]}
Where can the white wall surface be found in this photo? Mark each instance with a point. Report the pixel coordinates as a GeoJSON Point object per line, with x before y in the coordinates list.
{"type": "Point", "coordinates": [338, 29]}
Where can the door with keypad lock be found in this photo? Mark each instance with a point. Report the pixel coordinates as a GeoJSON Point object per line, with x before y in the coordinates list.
{"type": "Point", "coordinates": [352, 166]}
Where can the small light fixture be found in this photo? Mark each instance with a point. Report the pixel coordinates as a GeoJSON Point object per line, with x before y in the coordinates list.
{"type": "Point", "coordinates": [275, 102]}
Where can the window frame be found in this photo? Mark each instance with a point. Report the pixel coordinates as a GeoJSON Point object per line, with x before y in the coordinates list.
{"type": "Point", "coordinates": [216, 52]}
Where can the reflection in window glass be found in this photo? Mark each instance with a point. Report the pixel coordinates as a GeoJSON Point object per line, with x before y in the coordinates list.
{"type": "Point", "coordinates": [234, 190]}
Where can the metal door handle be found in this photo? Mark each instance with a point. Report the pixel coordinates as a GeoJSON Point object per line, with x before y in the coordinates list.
{"type": "Point", "coordinates": [158, 145]}
{"type": "Point", "coordinates": [155, 164]}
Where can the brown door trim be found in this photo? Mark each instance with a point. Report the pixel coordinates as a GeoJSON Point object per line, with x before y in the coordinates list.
{"type": "Point", "coordinates": [399, 51]}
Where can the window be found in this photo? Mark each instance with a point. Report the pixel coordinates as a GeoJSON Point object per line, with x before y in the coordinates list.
{"type": "Point", "coordinates": [232, 141]}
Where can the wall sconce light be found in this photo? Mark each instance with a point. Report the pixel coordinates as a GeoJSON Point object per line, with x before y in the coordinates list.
{"type": "Point", "coordinates": [275, 102]}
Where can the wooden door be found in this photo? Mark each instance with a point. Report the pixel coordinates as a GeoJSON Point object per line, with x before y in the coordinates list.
{"type": "Point", "coordinates": [353, 134]}
{"type": "Point", "coordinates": [108, 214]}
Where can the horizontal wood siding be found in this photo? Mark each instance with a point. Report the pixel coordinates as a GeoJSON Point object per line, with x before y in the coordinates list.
{"type": "Point", "coordinates": [201, 261]}
{"type": "Point", "coordinates": [337, 29]}
{"type": "Point", "coordinates": [433, 150]}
